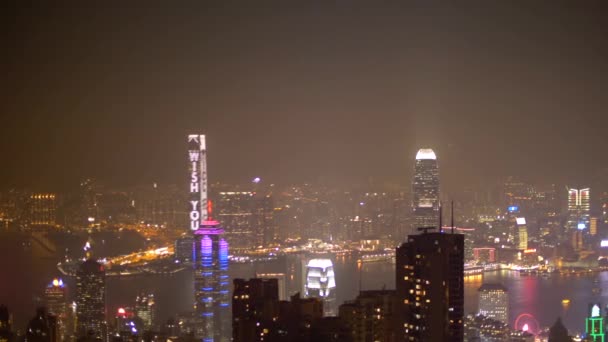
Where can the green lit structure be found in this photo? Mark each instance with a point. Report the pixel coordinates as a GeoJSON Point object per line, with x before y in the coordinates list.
{"type": "Point", "coordinates": [594, 324]}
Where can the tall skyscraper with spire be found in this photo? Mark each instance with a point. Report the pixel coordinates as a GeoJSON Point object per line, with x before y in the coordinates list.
{"type": "Point", "coordinates": [425, 189]}
{"type": "Point", "coordinates": [211, 287]}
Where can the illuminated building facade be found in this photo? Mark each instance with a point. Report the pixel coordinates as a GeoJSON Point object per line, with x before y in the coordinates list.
{"type": "Point", "coordinates": [522, 233]}
{"type": "Point", "coordinates": [425, 189]}
{"type": "Point", "coordinates": [484, 255]}
{"type": "Point", "coordinates": [593, 226]}
{"type": "Point", "coordinates": [248, 218]}
{"type": "Point", "coordinates": [235, 209]}
{"type": "Point", "coordinates": [55, 298]}
{"type": "Point", "coordinates": [372, 316]}
{"type": "Point", "coordinates": [91, 299]}
{"type": "Point", "coordinates": [255, 307]}
{"type": "Point", "coordinates": [42, 210]}
{"type": "Point", "coordinates": [211, 283]}
{"type": "Point", "coordinates": [145, 309]}
{"type": "Point", "coordinates": [321, 284]}
{"type": "Point", "coordinates": [494, 302]}
{"type": "Point", "coordinates": [430, 287]}
{"type": "Point", "coordinates": [594, 324]}
{"type": "Point", "coordinates": [578, 209]}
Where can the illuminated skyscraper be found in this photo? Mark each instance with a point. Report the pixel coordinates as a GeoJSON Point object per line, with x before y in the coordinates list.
{"type": "Point", "coordinates": [578, 209]}
{"type": "Point", "coordinates": [594, 324]}
{"type": "Point", "coordinates": [522, 233]}
{"type": "Point", "coordinates": [494, 302]}
{"type": "Point", "coordinates": [42, 210]}
{"type": "Point", "coordinates": [145, 309]}
{"type": "Point", "coordinates": [321, 283]}
{"type": "Point", "coordinates": [91, 299]}
{"type": "Point", "coordinates": [211, 285]}
{"type": "Point", "coordinates": [56, 303]}
{"type": "Point", "coordinates": [430, 287]}
{"type": "Point", "coordinates": [425, 189]}
{"type": "Point", "coordinates": [235, 209]}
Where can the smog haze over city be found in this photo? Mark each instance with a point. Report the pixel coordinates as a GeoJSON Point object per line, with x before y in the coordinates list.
{"type": "Point", "coordinates": [304, 171]}
{"type": "Point", "coordinates": [305, 92]}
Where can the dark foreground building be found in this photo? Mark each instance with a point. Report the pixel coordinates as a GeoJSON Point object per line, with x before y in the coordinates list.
{"type": "Point", "coordinates": [259, 315]}
{"type": "Point", "coordinates": [430, 287]}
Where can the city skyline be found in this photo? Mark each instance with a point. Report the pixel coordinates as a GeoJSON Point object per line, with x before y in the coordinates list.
{"type": "Point", "coordinates": [235, 171]}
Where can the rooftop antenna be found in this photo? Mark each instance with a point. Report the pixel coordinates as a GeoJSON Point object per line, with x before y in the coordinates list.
{"type": "Point", "coordinates": [440, 218]}
{"type": "Point", "coordinates": [452, 223]}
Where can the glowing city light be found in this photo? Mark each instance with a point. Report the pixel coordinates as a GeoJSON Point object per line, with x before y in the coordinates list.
{"type": "Point", "coordinates": [256, 180]}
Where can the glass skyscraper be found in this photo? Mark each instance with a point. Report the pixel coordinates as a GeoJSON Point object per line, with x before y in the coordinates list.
{"type": "Point", "coordinates": [425, 189]}
{"type": "Point", "coordinates": [210, 257]}
{"type": "Point", "coordinates": [578, 209]}
{"type": "Point", "coordinates": [91, 300]}
{"type": "Point", "coordinates": [211, 284]}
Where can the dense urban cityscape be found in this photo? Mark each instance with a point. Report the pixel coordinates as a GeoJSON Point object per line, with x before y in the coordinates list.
{"type": "Point", "coordinates": [328, 171]}
{"type": "Point", "coordinates": [288, 245]}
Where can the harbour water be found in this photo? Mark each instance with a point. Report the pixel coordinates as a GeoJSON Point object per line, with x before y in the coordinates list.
{"type": "Point", "coordinates": [533, 299]}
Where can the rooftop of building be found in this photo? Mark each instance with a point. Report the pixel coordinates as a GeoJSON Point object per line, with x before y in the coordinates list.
{"type": "Point", "coordinates": [426, 153]}
{"type": "Point", "coordinates": [492, 286]}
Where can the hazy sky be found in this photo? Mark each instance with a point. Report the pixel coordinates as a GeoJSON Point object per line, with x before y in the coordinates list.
{"type": "Point", "coordinates": [332, 89]}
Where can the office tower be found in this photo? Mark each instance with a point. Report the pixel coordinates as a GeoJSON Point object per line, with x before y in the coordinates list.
{"type": "Point", "coordinates": [55, 297]}
{"type": "Point", "coordinates": [145, 309]}
{"type": "Point", "coordinates": [320, 282]}
{"type": "Point", "coordinates": [281, 279]}
{"type": "Point", "coordinates": [594, 324]}
{"type": "Point", "coordinates": [430, 286]}
{"type": "Point", "coordinates": [184, 249]}
{"type": "Point", "coordinates": [425, 189]}
{"type": "Point", "coordinates": [42, 210]}
{"type": "Point", "coordinates": [494, 302]}
{"type": "Point", "coordinates": [235, 209]}
{"type": "Point", "coordinates": [522, 233]}
{"type": "Point", "coordinates": [518, 194]}
{"type": "Point", "coordinates": [211, 287]}
{"type": "Point", "coordinates": [91, 300]}
{"type": "Point", "coordinates": [372, 316]}
{"type": "Point", "coordinates": [593, 223]}
{"type": "Point", "coordinates": [42, 328]}
{"type": "Point", "coordinates": [255, 308]}
{"type": "Point", "coordinates": [265, 232]}
{"type": "Point", "coordinates": [578, 209]}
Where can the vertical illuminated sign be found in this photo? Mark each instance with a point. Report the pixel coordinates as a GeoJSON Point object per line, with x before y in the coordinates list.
{"type": "Point", "coordinates": [197, 156]}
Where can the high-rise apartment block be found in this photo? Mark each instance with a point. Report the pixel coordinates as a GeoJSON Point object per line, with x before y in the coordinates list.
{"type": "Point", "coordinates": [42, 210]}
{"type": "Point", "coordinates": [425, 189]}
{"type": "Point", "coordinates": [578, 209]}
{"type": "Point", "coordinates": [494, 302]}
{"type": "Point", "coordinates": [373, 316]}
{"type": "Point", "coordinates": [91, 300]}
{"type": "Point", "coordinates": [430, 287]}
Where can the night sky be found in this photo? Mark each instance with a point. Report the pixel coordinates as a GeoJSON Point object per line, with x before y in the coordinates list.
{"type": "Point", "coordinates": [327, 90]}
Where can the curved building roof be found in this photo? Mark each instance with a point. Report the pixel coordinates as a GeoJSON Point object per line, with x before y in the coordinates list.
{"type": "Point", "coordinates": [425, 153]}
